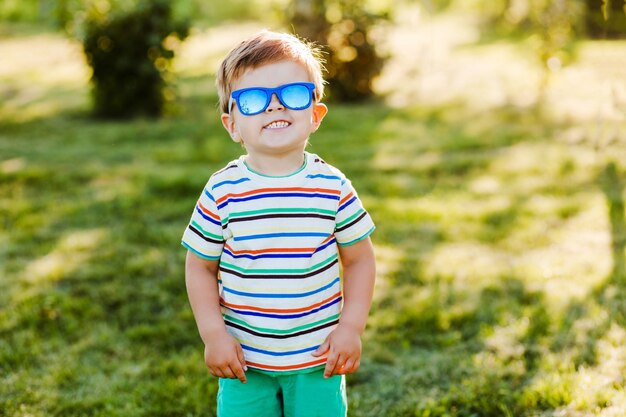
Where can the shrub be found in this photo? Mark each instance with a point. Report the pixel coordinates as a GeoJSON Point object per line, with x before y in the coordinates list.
{"type": "Point", "coordinates": [605, 19]}
{"type": "Point", "coordinates": [344, 28]}
{"type": "Point", "coordinates": [130, 56]}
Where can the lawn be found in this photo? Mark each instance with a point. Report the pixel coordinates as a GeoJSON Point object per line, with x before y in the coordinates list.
{"type": "Point", "coordinates": [501, 288]}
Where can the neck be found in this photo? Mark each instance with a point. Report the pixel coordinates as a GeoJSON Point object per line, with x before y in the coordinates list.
{"type": "Point", "coordinates": [275, 165]}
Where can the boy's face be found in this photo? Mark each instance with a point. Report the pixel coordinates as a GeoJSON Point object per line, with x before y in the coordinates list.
{"type": "Point", "coordinates": [277, 130]}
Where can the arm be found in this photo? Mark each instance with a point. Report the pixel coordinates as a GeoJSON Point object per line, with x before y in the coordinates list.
{"type": "Point", "coordinates": [344, 343]}
{"type": "Point", "coordinates": [222, 353]}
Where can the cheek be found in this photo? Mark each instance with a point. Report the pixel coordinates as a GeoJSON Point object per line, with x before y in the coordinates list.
{"type": "Point", "coordinates": [312, 122]}
{"type": "Point", "coordinates": [250, 126]}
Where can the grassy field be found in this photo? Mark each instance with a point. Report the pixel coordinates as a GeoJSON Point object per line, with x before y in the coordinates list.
{"type": "Point", "coordinates": [500, 243]}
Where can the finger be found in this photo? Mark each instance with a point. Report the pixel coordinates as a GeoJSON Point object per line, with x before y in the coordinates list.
{"type": "Point", "coordinates": [242, 358]}
{"type": "Point", "coordinates": [237, 370]}
{"type": "Point", "coordinates": [217, 372]}
{"type": "Point", "coordinates": [331, 364]}
{"type": "Point", "coordinates": [341, 360]}
{"type": "Point", "coordinates": [347, 367]}
{"type": "Point", "coordinates": [226, 371]}
{"type": "Point", "coordinates": [322, 349]}
{"type": "Point", "coordinates": [355, 367]}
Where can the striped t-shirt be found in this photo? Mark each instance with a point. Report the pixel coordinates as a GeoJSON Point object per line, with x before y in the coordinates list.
{"type": "Point", "coordinates": [276, 240]}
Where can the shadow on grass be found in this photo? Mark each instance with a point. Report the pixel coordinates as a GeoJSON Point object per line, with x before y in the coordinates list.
{"type": "Point", "coordinates": [613, 187]}
{"type": "Point", "coordinates": [441, 348]}
{"type": "Point", "coordinates": [457, 352]}
{"type": "Point", "coordinates": [606, 305]}
{"type": "Point", "coordinates": [448, 349]}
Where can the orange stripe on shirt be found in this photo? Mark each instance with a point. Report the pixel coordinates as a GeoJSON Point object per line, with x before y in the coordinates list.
{"type": "Point", "coordinates": [208, 212]}
{"type": "Point", "coordinates": [273, 190]}
{"type": "Point", "coordinates": [276, 250]}
{"type": "Point", "coordinates": [271, 250]}
{"type": "Point", "coordinates": [346, 198]}
{"type": "Point", "coordinates": [286, 368]}
{"type": "Point", "coordinates": [277, 310]}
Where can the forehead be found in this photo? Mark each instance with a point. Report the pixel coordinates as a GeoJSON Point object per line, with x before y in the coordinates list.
{"type": "Point", "coordinates": [272, 75]}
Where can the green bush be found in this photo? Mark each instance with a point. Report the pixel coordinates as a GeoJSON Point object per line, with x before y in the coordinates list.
{"type": "Point", "coordinates": [344, 29]}
{"type": "Point", "coordinates": [130, 57]}
{"type": "Point", "coordinates": [606, 19]}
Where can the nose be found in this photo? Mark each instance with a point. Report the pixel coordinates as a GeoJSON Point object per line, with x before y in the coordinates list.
{"type": "Point", "coordinates": [275, 104]}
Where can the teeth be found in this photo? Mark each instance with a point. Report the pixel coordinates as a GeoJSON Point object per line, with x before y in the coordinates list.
{"type": "Point", "coordinates": [277, 125]}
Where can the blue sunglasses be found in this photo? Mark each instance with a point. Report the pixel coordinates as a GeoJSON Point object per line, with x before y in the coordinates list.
{"type": "Point", "coordinates": [255, 100]}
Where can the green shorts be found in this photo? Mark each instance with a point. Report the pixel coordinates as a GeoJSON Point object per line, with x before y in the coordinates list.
{"type": "Point", "coordinates": [275, 395]}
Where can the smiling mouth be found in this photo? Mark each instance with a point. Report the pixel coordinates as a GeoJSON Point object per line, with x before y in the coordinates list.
{"type": "Point", "coordinates": [279, 124]}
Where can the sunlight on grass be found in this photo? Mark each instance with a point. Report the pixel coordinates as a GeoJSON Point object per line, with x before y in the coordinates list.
{"type": "Point", "coordinates": [505, 340]}
{"type": "Point", "coordinates": [387, 264]}
{"type": "Point", "coordinates": [457, 207]}
{"type": "Point", "coordinates": [528, 167]}
{"type": "Point", "coordinates": [596, 385]}
{"type": "Point", "coordinates": [575, 261]}
{"type": "Point", "coordinates": [602, 95]}
{"type": "Point", "coordinates": [11, 166]}
{"type": "Point", "coordinates": [594, 388]}
{"type": "Point", "coordinates": [393, 155]}
{"type": "Point", "coordinates": [469, 265]}
{"type": "Point", "coordinates": [114, 185]}
{"type": "Point", "coordinates": [40, 75]}
{"type": "Point", "coordinates": [71, 251]}
{"type": "Point", "coordinates": [541, 247]}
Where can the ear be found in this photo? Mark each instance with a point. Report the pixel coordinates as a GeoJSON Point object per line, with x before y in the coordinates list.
{"type": "Point", "coordinates": [319, 111]}
{"type": "Point", "coordinates": [228, 122]}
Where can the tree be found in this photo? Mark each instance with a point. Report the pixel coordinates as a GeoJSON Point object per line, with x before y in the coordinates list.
{"type": "Point", "coordinates": [344, 29]}
{"type": "Point", "coordinates": [130, 56]}
{"type": "Point", "coordinates": [605, 18]}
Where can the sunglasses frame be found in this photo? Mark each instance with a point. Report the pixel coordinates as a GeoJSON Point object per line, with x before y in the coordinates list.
{"type": "Point", "coordinates": [269, 93]}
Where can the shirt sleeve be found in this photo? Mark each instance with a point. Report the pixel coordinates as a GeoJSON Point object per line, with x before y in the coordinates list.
{"type": "Point", "coordinates": [352, 222]}
{"type": "Point", "coordinates": [203, 235]}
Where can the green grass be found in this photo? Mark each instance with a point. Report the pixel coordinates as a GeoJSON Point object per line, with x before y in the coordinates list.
{"type": "Point", "coordinates": [497, 294]}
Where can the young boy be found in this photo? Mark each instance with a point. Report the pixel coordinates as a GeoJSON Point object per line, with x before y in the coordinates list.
{"type": "Point", "coordinates": [265, 242]}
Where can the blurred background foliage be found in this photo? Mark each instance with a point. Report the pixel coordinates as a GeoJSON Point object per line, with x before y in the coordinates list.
{"type": "Point", "coordinates": [592, 18]}
{"type": "Point", "coordinates": [70, 14]}
{"type": "Point", "coordinates": [347, 30]}
{"type": "Point", "coordinates": [130, 56]}
{"type": "Point", "coordinates": [350, 31]}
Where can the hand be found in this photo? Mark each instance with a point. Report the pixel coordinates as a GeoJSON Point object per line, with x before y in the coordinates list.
{"type": "Point", "coordinates": [224, 357]}
{"type": "Point", "coordinates": [344, 347]}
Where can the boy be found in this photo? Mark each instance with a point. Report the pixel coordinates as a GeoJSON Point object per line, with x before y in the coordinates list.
{"type": "Point", "coordinates": [281, 329]}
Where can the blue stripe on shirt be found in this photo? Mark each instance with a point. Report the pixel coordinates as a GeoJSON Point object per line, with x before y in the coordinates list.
{"type": "Point", "coordinates": [297, 295]}
{"type": "Point", "coordinates": [326, 177]}
{"type": "Point", "coordinates": [267, 352]}
{"type": "Point", "coordinates": [208, 218]}
{"type": "Point", "coordinates": [286, 234]}
{"type": "Point", "coordinates": [232, 182]}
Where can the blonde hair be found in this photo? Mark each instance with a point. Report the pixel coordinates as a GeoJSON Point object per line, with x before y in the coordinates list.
{"type": "Point", "coordinates": [267, 48]}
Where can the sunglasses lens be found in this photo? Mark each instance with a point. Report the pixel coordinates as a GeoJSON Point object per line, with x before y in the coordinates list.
{"type": "Point", "coordinates": [255, 100]}
{"type": "Point", "coordinates": [252, 101]}
{"type": "Point", "coordinates": [296, 97]}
